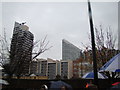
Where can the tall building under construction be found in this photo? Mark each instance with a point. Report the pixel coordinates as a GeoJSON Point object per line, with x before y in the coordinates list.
{"type": "Point", "coordinates": [21, 49]}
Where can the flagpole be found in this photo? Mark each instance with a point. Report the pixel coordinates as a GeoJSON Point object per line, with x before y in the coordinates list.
{"type": "Point", "coordinates": [93, 44]}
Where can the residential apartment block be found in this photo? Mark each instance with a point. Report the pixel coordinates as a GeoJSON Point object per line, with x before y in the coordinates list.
{"type": "Point", "coordinates": [66, 69]}
{"type": "Point", "coordinates": [52, 68]}
{"type": "Point", "coordinates": [21, 49]}
{"type": "Point", "coordinates": [43, 67]}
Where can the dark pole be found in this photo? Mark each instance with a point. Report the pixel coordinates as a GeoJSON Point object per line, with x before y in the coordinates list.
{"type": "Point", "coordinates": [93, 44]}
{"type": "Point", "coordinates": [81, 67]}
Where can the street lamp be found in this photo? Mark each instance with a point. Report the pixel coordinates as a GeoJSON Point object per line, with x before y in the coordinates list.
{"type": "Point", "coordinates": [93, 44]}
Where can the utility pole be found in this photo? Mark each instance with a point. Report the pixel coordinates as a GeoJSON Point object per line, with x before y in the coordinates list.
{"type": "Point", "coordinates": [93, 44]}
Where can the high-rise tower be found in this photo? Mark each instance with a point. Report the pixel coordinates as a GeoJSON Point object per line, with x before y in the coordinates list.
{"type": "Point", "coordinates": [21, 49]}
{"type": "Point", "coordinates": [69, 51]}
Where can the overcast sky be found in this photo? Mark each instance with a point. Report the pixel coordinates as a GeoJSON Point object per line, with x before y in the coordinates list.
{"type": "Point", "coordinates": [59, 20]}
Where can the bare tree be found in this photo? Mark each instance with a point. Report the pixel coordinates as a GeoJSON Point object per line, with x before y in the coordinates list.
{"type": "Point", "coordinates": [42, 46]}
{"type": "Point", "coordinates": [4, 49]}
{"type": "Point", "coordinates": [105, 45]}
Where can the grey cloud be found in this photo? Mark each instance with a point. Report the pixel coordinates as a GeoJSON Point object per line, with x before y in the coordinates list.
{"type": "Point", "coordinates": [58, 21]}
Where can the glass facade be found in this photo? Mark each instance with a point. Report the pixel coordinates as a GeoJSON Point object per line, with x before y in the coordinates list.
{"type": "Point", "coordinates": [69, 51]}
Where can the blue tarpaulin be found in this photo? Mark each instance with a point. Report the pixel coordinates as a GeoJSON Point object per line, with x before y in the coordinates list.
{"type": "Point", "coordinates": [91, 75]}
{"type": "Point", "coordinates": [112, 65]}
